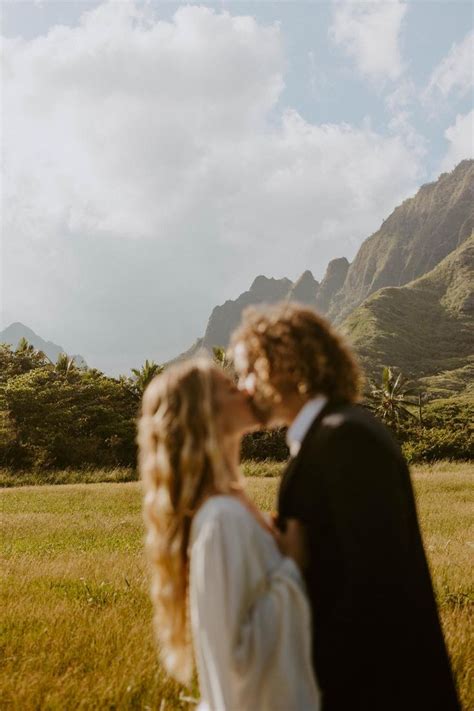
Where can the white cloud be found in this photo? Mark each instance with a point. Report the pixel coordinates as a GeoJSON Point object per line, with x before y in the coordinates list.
{"type": "Point", "coordinates": [370, 34]}
{"type": "Point", "coordinates": [402, 96]}
{"type": "Point", "coordinates": [460, 137]}
{"type": "Point", "coordinates": [399, 104]}
{"type": "Point", "coordinates": [147, 178]}
{"type": "Point", "coordinates": [455, 72]}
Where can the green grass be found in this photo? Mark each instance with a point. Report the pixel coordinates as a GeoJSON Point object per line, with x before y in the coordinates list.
{"type": "Point", "coordinates": [115, 475]}
{"type": "Point", "coordinates": [77, 619]}
{"type": "Point", "coordinates": [87, 475]}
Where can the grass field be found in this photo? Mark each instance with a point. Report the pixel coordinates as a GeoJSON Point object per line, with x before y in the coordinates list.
{"type": "Point", "coordinates": [77, 632]}
{"type": "Point", "coordinates": [116, 475]}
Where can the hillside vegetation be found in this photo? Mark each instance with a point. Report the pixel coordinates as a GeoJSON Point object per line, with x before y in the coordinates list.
{"type": "Point", "coordinates": [426, 328]}
{"type": "Point", "coordinates": [416, 237]}
{"type": "Point", "coordinates": [406, 300]}
{"type": "Point", "coordinates": [415, 278]}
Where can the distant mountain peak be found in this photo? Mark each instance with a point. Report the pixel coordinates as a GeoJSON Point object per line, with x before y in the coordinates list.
{"type": "Point", "coordinates": [337, 265]}
{"type": "Point", "coordinates": [332, 283]}
{"type": "Point", "coordinates": [262, 285]}
{"type": "Point", "coordinates": [305, 289]}
{"type": "Point", "coordinates": [225, 318]}
{"type": "Point", "coordinates": [17, 326]}
{"type": "Point", "coordinates": [306, 278]}
{"type": "Point", "coordinates": [412, 241]}
{"type": "Point", "coordinates": [13, 334]}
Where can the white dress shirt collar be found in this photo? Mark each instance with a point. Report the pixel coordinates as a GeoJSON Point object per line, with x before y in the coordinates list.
{"type": "Point", "coordinates": [302, 422]}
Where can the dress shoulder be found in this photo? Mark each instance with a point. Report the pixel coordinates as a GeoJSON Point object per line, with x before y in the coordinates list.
{"type": "Point", "coordinates": [218, 509]}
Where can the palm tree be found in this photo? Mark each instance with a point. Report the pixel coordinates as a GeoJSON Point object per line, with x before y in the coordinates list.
{"type": "Point", "coordinates": [145, 375]}
{"type": "Point", "coordinates": [25, 347]}
{"type": "Point", "coordinates": [64, 365]}
{"type": "Point", "coordinates": [389, 400]}
{"type": "Point", "coordinates": [26, 352]}
{"type": "Point", "coordinates": [220, 357]}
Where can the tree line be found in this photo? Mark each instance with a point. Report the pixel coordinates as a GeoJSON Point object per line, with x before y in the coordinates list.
{"type": "Point", "coordinates": [59, 415]}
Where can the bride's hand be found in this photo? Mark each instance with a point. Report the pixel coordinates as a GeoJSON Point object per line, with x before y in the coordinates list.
{"type": "Point", "coordinates": [292, 542]}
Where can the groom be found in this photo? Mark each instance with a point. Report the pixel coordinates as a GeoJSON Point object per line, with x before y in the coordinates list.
{"type": "Point", "coordinates": [377, 639]}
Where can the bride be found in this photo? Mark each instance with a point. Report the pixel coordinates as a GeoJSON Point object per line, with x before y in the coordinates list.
{"type": "Point", "coordinates": [222, 591]}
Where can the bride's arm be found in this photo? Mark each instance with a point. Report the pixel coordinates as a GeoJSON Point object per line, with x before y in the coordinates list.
{"type": "Point", "coordinates": [245, 615]}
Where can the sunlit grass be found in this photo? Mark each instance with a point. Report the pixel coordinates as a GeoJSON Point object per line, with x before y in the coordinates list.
{"type": "Point", "coordinates": [87, 475]}
{"type": "Point", "coordinates": [114, 475]}
{"type": "Point", "coordinates": [77, 631]}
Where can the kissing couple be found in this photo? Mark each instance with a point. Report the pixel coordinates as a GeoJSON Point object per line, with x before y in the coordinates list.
{"type": "Point", "coordinates": [328, 607]}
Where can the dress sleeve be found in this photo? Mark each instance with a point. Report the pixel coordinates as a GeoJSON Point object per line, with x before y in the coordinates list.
{"type": "Point", "coordinates": [246, 617]}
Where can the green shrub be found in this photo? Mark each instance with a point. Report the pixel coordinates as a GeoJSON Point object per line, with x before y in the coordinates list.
{"type": "Point", "coordinates": [70, 420]}
{"type": "Point", "coordinates": [430, 444]}
{"type": "Point", "coordinates": [268, 444]}
{"type": "Point", "coordinates": [450, 413]}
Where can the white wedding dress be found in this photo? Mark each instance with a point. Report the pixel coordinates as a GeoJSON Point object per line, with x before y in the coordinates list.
{"type": "Point", "coordinates": [250, 618]}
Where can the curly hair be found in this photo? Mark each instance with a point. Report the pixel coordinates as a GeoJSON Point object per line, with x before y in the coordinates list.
{"type": "Point", "coordinates": [180, 463]}
{"type": "Point", "coordinates": [291, 348]}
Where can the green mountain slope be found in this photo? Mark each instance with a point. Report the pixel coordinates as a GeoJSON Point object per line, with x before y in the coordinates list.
{"type": "Point", "coordinates": [426, 328]}
{"type": "Point", "coordinates": [416, 237]}
{"type": "Point", "coordinates": [406, 299]}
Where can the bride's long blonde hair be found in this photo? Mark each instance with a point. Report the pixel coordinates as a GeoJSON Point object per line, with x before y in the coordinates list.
{"type": "Point", "coordinates": [180, 463]}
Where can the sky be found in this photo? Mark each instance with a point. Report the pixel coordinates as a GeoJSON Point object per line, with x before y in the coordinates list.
{"type": "Point", "coordinates": [157, 157]}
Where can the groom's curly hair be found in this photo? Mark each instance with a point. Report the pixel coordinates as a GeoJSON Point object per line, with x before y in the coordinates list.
{"type": "Point", "coordinates": [291, 348]}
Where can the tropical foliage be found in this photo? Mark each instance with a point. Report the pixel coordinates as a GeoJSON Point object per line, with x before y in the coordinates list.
{"type": "Point", "coordinates": [391, 400]}
{"type": "Point", "coordinates": [221, 359]}
{"type": "Point", "coordinates": [144, 375]}
{"type": "Point", "coordinates": [446, 431]}
{"type": "Point", "coordinates": [60, 415]}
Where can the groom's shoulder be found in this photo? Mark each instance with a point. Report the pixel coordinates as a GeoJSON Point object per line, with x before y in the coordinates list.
{"type": "Point", "coordinates": [346, 422]}
{"type": "Point", "coordinates": [345, 415]}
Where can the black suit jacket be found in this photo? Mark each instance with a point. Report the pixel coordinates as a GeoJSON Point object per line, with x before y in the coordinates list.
{"type": "Point", "coordinates": [377, 639]}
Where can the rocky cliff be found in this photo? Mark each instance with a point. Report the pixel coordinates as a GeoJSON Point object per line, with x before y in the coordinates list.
{"type": "Point", "coordinates": [305, 289]}
{"type": "Point", "coordinates": [407, 297]}
{"type": "Point", "coordinates": [416, 237]}
{"type": "Point", "coordinates": [225, 318]}
{"type": "Point", "coordinates": [426, 327]}
{"type": "Point", "coordinates": [332, 283]}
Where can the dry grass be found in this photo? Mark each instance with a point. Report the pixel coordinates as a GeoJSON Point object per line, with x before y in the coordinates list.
{"type": "Point", "coordinates": [77, 631]}
{"type": "Point", "coordinates": [113, 475]}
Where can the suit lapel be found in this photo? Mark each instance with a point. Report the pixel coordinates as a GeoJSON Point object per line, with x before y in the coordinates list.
{"type": "Point", "coordinates": [294, 464]}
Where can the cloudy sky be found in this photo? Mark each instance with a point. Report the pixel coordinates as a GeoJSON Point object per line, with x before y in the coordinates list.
{"type": "Point", "coordinates": [157, 157]}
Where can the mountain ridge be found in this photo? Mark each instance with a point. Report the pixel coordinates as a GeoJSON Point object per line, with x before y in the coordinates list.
{"type": "Point", "coordinates": [420, 261]}
{"type": "Point", "coordinates": [395, 270]}
{"type": "Point", "coordinates": [13, 334]}
{"type": "Point", "coordinates": [426, 327]}
{"type": "Point", "coordinates": [416, 237]}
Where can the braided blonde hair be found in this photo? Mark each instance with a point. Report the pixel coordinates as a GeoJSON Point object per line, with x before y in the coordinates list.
{"type": "Point", "coordinates": [180, 463]}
